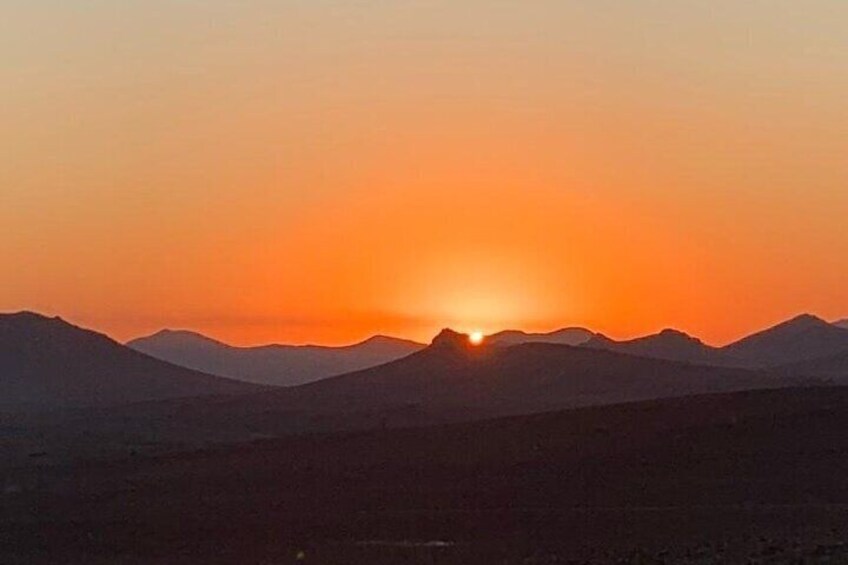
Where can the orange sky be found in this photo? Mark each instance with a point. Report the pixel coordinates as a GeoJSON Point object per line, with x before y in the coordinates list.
{"type": "Point", "coordinates": [322, 171]}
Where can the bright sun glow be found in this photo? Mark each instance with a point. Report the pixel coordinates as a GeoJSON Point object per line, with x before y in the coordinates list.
{"type": "Point", "coordinates": [476, 338]}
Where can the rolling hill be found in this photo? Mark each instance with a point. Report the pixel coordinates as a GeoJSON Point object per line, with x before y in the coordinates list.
{"type": "Point", "coordinates": [279, 365]}
{"type": "Point", "coordinates": [49, 363]}
{"type": "Point", "coordinates": [565, 336]}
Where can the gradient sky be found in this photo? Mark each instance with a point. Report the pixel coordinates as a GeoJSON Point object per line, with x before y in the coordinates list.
{"type": "Point", "coordinates": [319, 171]}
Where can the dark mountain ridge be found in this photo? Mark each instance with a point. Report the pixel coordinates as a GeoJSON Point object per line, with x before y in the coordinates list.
{"type": "Point", "coordinates": [280, 365]}
{"type": "Point", "coordinates": [52, 363]}
{"type": "Point", "coordinates": [669, 344]}
{"type": "Point", "coordinates": [805, 337]}
{"type": "Point", "coordinates": [47, 362]}
{"type": "Point", "coordinates": [802, 338]}
{"type": "Point", "coordinates": [564, 336]}
{"type": "Point", "coordinates": [530, 377]}
{"type": "Point", "coordinates": [449, 381]}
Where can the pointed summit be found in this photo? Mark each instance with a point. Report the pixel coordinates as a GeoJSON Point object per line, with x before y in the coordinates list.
{"type": "Point", "coordinates": [803, 321]}
{"type": "Point", "coordinates": [801, 338]}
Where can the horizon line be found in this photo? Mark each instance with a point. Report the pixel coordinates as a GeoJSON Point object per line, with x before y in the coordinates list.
{"type": "Point", "coordinates": [378, 335]}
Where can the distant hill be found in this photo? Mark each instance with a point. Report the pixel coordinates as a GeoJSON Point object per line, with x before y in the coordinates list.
{"type": "Point", "coordinates": [281, 365]}
{"type": "Point", "coordinates": [565, 336]}
{"type": "Point", "coordinates": [803, 338]}
{"type": "Point", "coordinates": [842, 324]}
{"type": "Point", "coordinates": [47, 362]}
{"type": "Point", "coordinates": [668, 344]}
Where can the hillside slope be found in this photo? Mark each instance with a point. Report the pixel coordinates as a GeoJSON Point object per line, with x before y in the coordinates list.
{"type": "Point", "coordinates": [49, 363]}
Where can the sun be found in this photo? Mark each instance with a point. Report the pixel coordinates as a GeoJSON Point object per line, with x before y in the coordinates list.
{"type": "Point", "coordinates": [476, 338]}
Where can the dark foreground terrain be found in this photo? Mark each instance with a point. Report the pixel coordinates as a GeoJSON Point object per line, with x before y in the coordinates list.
{"type": "Point", "coordinates": [753, 477]}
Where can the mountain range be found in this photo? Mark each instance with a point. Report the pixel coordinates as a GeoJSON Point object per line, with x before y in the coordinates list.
{"type": "Point", "coordinates": [47, 362]}
{"type": "Point", "coordinates": [803, 338]}
{"type": "Point", "coordinates": [449, 380]}
{"type": "Point", "coordinates": [453, 376]}
{"type": "Point", "coordinates": [800, 339]}
{"type": "Point", "coordinates": [132, 466]}
{"type": "Point", "coordinates": [291, 365]}
{"type": "Point", "coordinates": [279, 365]}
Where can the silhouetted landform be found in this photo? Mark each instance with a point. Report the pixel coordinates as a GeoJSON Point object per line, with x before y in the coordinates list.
{"type": "Point", "coordinates": [449, 381]}
{"type": "Point", "coordinates": [842, 324]}
{"type": "Point", "coordinates": [452, 374]}
{"type": "Point", "coordinates": [748, 477]}
{"type": "Point", "coordinates": [49, 363]}
{"type": "Point", "coordinates": [280, 365]}
{"type": "Point", "coordinates": [739, 476]}
{"type": "Point", "coordinates": [803, 338]}
{"type": "Point", "coordinates": [668, 344]}
{"type": "Point", "coordinates": [565, 336]}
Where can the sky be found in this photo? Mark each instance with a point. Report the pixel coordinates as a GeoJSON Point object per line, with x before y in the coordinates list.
{"type": "Point", "coordinates": [319, 171]}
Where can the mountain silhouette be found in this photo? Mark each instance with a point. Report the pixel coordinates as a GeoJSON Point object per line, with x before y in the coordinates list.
{"type": "Point", "coordinates": [802, 338]}
{"type": "Point", "coordinates": [841, 324]}
{"type": "Point", "coordinates": [565, 336]}
{"type": "Point", "coordinates": [281, 365]}
{"type": "Point", "coordinates": [140, 450]}
{"type": "Point", "coordinates": [47, 362]}
{"type": "Point", "coordinates": [451, 380]}
{"type": "Point", "coordinates": [453, 375]}
{"type": "Point", "coordinates": [669, 344]}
